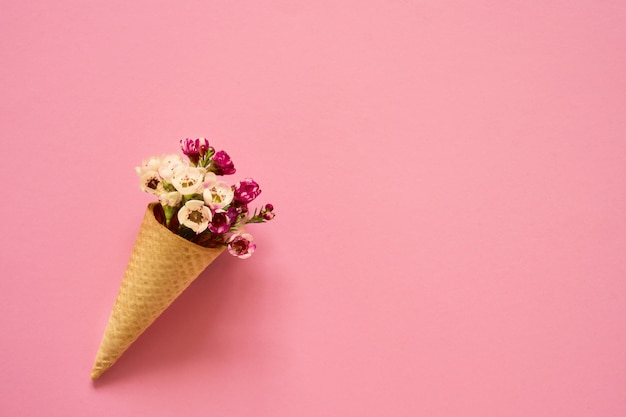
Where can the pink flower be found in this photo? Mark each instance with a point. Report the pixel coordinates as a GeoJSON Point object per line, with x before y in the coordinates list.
{"type": "Point", "coordinates": [241, 245]}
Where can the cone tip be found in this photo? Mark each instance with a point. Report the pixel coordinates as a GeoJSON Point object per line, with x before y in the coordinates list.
{"type": "Point", "coordinates": [96, 372]}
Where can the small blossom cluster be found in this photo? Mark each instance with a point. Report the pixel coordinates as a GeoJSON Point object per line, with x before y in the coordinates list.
{"type": "Point", "coordinates": [196, 204]}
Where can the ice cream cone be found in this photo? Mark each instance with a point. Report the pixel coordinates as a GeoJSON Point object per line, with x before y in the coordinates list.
{"type": "Point", "coordinates": [161, 267]}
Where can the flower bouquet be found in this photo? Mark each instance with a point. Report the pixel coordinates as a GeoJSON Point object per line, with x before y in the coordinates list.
{"type": "Point", "coordinates": [196, 218]}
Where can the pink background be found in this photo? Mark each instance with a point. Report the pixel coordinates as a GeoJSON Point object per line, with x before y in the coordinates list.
{"type": "Point", "coordinates": [450, 184]}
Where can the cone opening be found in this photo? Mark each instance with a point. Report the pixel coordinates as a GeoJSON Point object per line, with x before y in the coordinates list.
{"type": "Point", "coordinates": [153, 216]}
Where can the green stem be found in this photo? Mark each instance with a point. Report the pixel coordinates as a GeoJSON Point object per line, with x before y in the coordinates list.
{"type": "Point", "coordinates": [169, 213]}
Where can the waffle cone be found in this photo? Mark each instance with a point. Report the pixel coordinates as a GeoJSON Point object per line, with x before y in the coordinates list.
{"type": "Point", "coordinates": [162, 265]}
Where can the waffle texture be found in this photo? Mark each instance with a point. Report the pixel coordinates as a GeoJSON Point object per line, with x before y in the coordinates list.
{"type": "Point", "coordinates": [162, 265]}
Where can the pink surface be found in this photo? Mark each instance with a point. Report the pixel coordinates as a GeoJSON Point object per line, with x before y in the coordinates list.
{"type": "Point", "coordinates": [450, 185]}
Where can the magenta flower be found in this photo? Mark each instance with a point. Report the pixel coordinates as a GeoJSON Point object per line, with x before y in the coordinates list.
{"type": "Point", "coordinates": [222, 164]}
{"type": "Point", "coordinates": [241, 245]}
{"type": "Point", "coordinates": [232, 213]}
{"type": "Point", "coordinates": [246, 190]}
{"type": "Point", "coordinates": [194, 148]}
{"type": "Point", "coordinates": [267, 212]}
{"type": "Point", "coordinates": [220, 223]}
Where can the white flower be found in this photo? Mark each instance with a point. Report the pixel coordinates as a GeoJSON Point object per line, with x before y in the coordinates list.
{"type": "Point", "coordinates": [209, 177]}
{"type": "Point", "coordinates": [168, 164]}
{"type": "Point", "coordinates": [171, 199]}
{"type": "Point", "coordinates": [217, 194]}
{"type": "Point", "coordinates": [188, 180]}
{"type": "Point", "coordinates": [195, 215]}
{"type": "Point", "coordinates": [151, 182]}
{"type": "Point", "coordinates": [148, 165]}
